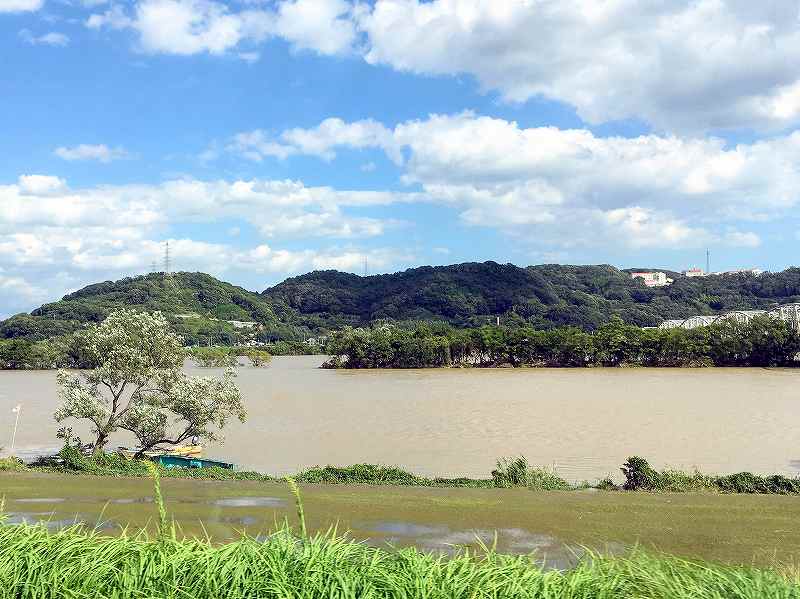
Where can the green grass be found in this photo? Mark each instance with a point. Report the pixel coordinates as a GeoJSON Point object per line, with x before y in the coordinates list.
{"type": "Point", "coordinates": [79, 562]}
{"type": "Point", "coordinates": [509, 473]}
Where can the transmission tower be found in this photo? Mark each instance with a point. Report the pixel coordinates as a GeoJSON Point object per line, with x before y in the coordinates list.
{"type": "Point", "coordinates": [167, 263]}
{"type": "Point", "coordinates": [366, 270]}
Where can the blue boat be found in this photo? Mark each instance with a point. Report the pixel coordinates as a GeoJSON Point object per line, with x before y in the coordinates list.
{"type": "Point", "coordinates": [176, 461]}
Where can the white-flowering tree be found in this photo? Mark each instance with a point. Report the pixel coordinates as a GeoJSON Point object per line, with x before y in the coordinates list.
{"type": "Point", "coordinates": [137, 384]}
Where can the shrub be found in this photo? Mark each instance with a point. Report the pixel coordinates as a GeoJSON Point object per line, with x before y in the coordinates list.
{"type": "Point", "coordinates": [12, 464]}
{"type": "Point", "coordinates": [640, 476]}
{"type": "Point", "coordinates": [515, 472]}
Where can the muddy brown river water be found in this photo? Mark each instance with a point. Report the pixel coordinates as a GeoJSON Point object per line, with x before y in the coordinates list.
{"type": "Point", "coordinates": [584, 422]}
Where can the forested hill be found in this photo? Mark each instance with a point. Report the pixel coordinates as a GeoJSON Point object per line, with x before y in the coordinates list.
{"type": "Point", "coordinates": [201, 307]}
{"type": "Point", "coordinates": [546, 295]}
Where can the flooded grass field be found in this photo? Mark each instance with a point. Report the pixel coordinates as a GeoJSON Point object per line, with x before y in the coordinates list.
{"type": "Point", "coordinates": [739, 529]}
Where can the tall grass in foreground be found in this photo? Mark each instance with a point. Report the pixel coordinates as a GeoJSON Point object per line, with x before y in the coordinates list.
{"type": "Point", "coordinates": [35, 563]}
{"type": "Point", "coordinates": [79, 562]}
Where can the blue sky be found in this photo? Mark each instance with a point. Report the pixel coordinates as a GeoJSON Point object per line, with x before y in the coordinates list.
{"type": "Point", "coordinates": [268, 138]}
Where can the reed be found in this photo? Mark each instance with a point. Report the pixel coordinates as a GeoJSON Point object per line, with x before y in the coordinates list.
{"type": "Point", "coordinates": [76, 562]}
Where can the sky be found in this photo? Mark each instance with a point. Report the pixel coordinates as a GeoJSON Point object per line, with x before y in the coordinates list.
{"type": "Point", "coordinates": [268, 138]}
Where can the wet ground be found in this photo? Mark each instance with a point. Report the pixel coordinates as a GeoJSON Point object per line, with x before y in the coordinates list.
{"type": "Point", "coordinates": [556, 525]}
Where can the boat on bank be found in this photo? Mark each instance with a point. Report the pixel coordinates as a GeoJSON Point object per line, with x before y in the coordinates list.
{"type": "Point", "coordinates": [178, 461]}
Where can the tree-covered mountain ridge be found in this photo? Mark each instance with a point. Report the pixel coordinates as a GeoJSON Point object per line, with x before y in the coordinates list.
{"type": "Point", "coordinates": [468, 294]}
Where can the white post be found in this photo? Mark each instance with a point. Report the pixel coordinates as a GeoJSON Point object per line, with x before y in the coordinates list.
{"type": "Point", "coordinates": [17, 410]}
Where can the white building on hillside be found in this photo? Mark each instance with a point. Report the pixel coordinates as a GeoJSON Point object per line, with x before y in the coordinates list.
{"type": "Point", "coordinates": [652, 279]}
{"type": "Point", "coordinates": [694, 272]}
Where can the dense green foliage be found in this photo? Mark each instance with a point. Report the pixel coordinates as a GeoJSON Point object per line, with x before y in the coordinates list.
{"type": "Point", "coordinates": [201, 307]}
{"type": "Point", "coordinates": [509, 473]}
{"type": "Point", "coordinates": [640, 476]}
{"type": "Point", "coordinates": [222, 357]}
{"type": "Point", "coordinates": [546, 296]}
{"type": "Point", "coordinates": [516, 473]}
{"type": "Point", "coordinates": [293, 348]}
{"type": "Point", "coordinates": [76, 562]}
{"type": "Point", "coordinates": [763, 341]}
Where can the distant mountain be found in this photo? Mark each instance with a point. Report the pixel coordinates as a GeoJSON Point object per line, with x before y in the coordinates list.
{"type": "Point", "coordinates": [546, 296]}
{"type": "Point", "coordinates": [200, 307]}
{"type": "Point", "coordinates": [469, 294]}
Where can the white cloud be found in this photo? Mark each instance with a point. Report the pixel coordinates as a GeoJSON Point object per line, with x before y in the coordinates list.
{"type": "Point", "coordinates": [324, 26]}
{"type": "Point", "coordinates": [187, 27]}
{"type": "Point", "coordinates": [38, 185]}
{"type": "Point", "coordinates": [275, 208]}
{"type": "Point", "coordinates": [320, 141]}
{"type": "Point", "coordinates": [20, 5]}
{"type": "Point", "coordinates": [679, 65]}
{"type": "Point", "coordinates": [742, 239]}
{"type": "Point", "coordinates": [66, 237]}
{"type": "Point", "coordinates": [571, 186]}
{"type": "Point", "coordinates": [113, 18]}
{"type": "Point", "coordinates": [53, 38]}
{"type": "Point", "coordinates": [101, 153]}
{"type": "Point", "coordinates": [249, 57]}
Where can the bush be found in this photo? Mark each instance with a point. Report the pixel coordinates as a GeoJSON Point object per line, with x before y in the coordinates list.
{"type": "Point", "coordinates": [747, 482]}
{"type": "Point", "coordinates": [607, 484]}
{"type": "Point", "coordinates": [358, 473]}
{"type": "Point", "coordinates": [639, 476]}
{"type": "Point", "coordinates": [515, 472]}
{"type": "Point", "coordinates": [12, 464]}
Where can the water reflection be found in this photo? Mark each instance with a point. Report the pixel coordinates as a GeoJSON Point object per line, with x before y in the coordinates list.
{"type": "Point", "coordinates": [250, 502]}
{"type": "Point", "coordinates": [546, 550]}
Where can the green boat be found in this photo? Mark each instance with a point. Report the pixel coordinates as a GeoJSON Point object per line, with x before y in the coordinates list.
{"type": "Point", "coordinates": [176, 461]}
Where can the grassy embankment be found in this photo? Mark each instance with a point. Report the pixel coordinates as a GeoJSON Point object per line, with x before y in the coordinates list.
{"type": "Point", "coordinates": [639, 476]}
{"type": "Point", "coordinates": [79, 562]}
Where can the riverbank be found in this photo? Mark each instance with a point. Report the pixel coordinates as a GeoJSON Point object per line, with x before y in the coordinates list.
{"type": "Point", "coordinates": [509, 473]}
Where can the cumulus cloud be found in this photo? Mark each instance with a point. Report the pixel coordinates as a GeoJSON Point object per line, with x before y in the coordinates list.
{"type": "Point", "coordinates": [101, 153]}
{"type": "Point", "coordinates": [66, 237]}
{"type": "Point", "coordinates": [20, 5]}
{"type": "Point", "coordinates": [113, 18]}
{"type": "Point", "coordinates": [324, 26]}
{"type": "Point", "coordinates": [187, 27]}
{"type": "Point", "coordinates": [53, 38]}
{"type": "Point", "coordinates": [37, 185]}
{"type": "Point", "coordinates": [320, 141]}
{"type": "Point", "coordinates": [569, 186]}
{"type": "Point", "coordinates": [681, 65]}
{"type": "Point", "coordinates": [276, 208]}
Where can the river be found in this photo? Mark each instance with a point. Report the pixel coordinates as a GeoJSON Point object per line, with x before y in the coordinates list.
{"type": "Point", "coordinates": [582, 422]}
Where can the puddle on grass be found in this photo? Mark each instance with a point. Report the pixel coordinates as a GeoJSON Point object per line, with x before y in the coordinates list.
{"type": "Point", "coordinates": [132, 500]}
{"type": "Point", "coordinates": [546, 550]}
{"type": "Point", "coordinates": [250, 502]}
{"type": "Point", "coordinates": [40, 500]}
{"type": "Point", "coordinates": [243, 520]}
